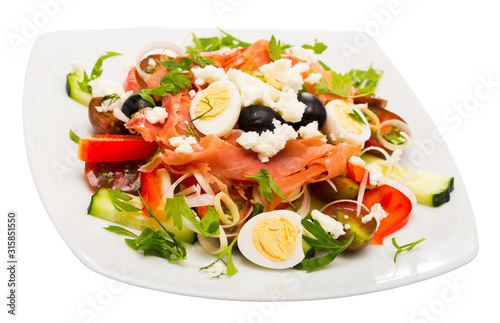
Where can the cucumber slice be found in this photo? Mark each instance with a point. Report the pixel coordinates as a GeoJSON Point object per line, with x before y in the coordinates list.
{"type": "Point", "coordinates": [431, 189]}
{"type": "Point", "coordinates": [102, 207]}
{"type": "Point", "coordinates": [74, 91]}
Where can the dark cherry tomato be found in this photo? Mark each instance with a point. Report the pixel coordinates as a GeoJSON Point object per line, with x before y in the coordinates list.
{"type": "Point", "coordinates": [346, 188]}
{"type": "Point", "coordinates": [383, 115]}
{"type": "Point", "coordinates": [346, 213]}
{"type": "Point", "coordinates": [124, 175]}
{"type": "Point", "coordinates": [104, 122]}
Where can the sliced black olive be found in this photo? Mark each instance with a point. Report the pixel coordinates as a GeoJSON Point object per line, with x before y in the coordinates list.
{"type": "Point", "coordinates": [315, 111]}
{"type": "Point", "coordinates": [258, 118]}
{"type": "Point", "coordinates": [134, 103]}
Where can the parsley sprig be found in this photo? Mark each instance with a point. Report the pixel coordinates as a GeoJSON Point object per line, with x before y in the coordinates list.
{"type": "Point", "coordinates": [339, 85]}
{"type": "Point", "coordinates": [322, 241]}
{"type": "Point", "coordinates": [318, 48]}
{"type": "Point", "coordinates": [230, 268]}
{"type": "Point", "coordinates": [215, 43]}
{"type": "Point", "coordinates": [96, 72]}
{"type": "Point", "coordinates": [276, 48]}
{"type": "Point", "coordinates": [365, 81]}
{"type": "Point", "coordinates": [268, 185]}
{"type": "Point", "coordinates": [406, 247]}
{"type": "Point", "coordinates": [356, 116]}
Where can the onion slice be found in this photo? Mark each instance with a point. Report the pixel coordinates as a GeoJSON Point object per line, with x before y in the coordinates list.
{"type": "Point", "coordinates": [214, 245]}
{"type": "Point", "coordinates": [345, 200]}
{"type": "Point", "coordinates": [163, 48]}
{"type": "Point", "coordinates": [396, 123]}
{"type": "Point", "coordinates": [231, 206]}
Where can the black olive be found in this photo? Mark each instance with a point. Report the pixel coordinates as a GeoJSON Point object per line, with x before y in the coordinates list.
{"type": "Point", "coordinates": [315, 111]}
{"type": "Point", "coordinates": [133, 104]}
{"type": "Point", "coordinates": [258, 118]}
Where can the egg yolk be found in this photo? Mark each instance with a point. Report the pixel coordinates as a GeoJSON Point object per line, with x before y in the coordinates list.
{"type": "Point", "coordinates": [215, 100]}
{"type": "Point", "coordinates": [345, 120]}
{"type": "Point", "coordinates": [276, 238]}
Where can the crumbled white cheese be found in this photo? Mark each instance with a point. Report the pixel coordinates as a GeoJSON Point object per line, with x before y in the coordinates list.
{"type": "Point", "coordinates": [113, 104]}
{"type": "Point", "coordinates": [289, 107]}
{"type": "Point", "coordinates": [313, 78]}
{"type": "Point", "coordinates": [155, 115]}
{"type": "Point", "coordinates": [77, 67]}
{"type": "Point", "coordinates": [152, 62]}
{"type": "Point", "coordinates": [103, 87]}
{"type": "Point", "coordinates": [182, 144]}
{"type": "Point", "coordinates": [283, 76]}
{"type": "Point", "coordinates": [268, 143]}
{"type": "Point", "coordinates": [208, 74]}
{"type": "Point", "coordinates": [347, 226]}
{"type": "Point", "coordinates": [192, 93]}
{"type": "Point", "coordinates": [305, 54]}
{"type": "Point", "coordinates": [376, 212]}
{"type": "Point", "coordinates": [355, 160]}
{"type": "Point", "coordinates": [376, 173]}
{"type": "Point", "coordinates": [332, 226]}
{"type": "Point", "coordinates": [216, 269]}
{"type": "Point", "coordinates": [310, 130]}
{"type": "Point", "coordinates": [251, 95]}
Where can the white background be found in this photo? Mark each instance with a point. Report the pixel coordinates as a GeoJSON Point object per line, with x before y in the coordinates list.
{"type": "Point", "coordinates": [442, 48]}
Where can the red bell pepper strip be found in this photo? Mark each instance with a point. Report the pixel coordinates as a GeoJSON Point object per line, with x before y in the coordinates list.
{"type": "Point", "coordinates": [111, 148]}
{"type": "Point", "coordinates": [357, 172]}
{"type": "Point", "coordinates": [395, 203]}
{"type": "Point", "coordinates": [151, 193]}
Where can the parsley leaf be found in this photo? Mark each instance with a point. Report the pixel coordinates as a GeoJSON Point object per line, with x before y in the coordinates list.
{"type": "Point", "coordinates": [355, 115]}
{"type": "Point", "coordinates": [339, 85]}
{"type": "Point", "coordinates": [395, 138]}
{"type": "Point", "coordinates": [74, 137]}
{"type": "Point", "coordinates": [200, 60]}
{"type": "Point", "coordinates": [365, 81]}
{"type": "Point", "coordinates": [230, 268]}
{"type": "Point", "coordinates": [96, 72]}
{"type": "Point", "coordinates": [322, 241]}
{"type": "Point", "coordinates": [276, 48]}
{"type": "Point", "coordinates": [162, 90]}
{"type": "Point", "coordinates": [178, 78]}
{"type": "Point", "coordinates": [177, 208]}
{"type": "Point", "coordinates": [406, 247]}
{"type": "Point", "coordinates": [184, 64]}
{"type": "Point", "coordinates": [325, 67]}
{"type": "Point", "coordinates": [318, 47]}
{"type": "Point", "coordinates": [120, 201]}
{"type": "Point", "coordinates": [215, 43]}
{"type": "Point", "coordinates": [120, 230]}
{"type": "Point", "coordinates": [268, 185]}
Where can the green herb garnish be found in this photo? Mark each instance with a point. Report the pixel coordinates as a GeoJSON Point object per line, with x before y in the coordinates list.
{"type": "Point", "coordinates": [406, 247]}
{"type": "Point", "coordinates": [184, 64]}
{"type": "Point", "coordinates": [322, 241]}
{"type": "Point", "coordinates": [200, 60]}
{"type": "Point", "coordinates": [190, 128]}
{"type": "Point", "coordinates": [215, 43]}
{"type": "Point", "coordinates": [318, 47]}
{"type": "Point", "coordinates": [96, 72]}
{"type": "Point", "coordinates": [365, 81]}
{"type": "Point", "coordinates": [178, 78]}
{"type": "Point", "coordinates": [339, 85]}
{"type": "Point", "coordinates": [230, 268]}
{"type": "Point", "coordinates": [395, 138]}
{"type": "Point", "coordinates": [74, 137]}
{"type": "Point", "coordinates": [325, 67]}
{"type": "Point", "coordinates": [276, 48]}
{"type": "Point", "coordinates": [121, 200]}
{"type": "Point", "coordinates": [112, 98]}
{"type": "Point", "coordinates": [355, 115]}
{"type": "Point", "coordinates": [176, 207]}
{"type": "Point", "coordinates": [268, 185]}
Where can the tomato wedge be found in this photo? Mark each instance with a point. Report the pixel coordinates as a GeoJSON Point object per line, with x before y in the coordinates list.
{"type": "Point", "coordinates": [395, 203]}
{"type": "Point", "coordinates": [134, 81]}
{"type": "Point", "coordinates": [111, 148]}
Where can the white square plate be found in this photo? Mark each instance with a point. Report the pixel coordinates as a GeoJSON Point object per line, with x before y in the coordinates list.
{"type": "Point", "coordinates": [49, 114]}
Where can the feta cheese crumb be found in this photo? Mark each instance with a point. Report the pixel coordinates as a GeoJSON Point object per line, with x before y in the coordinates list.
{"type": "Point", "coordinates": [289, 107]}
{"type": "Point", "coordinates": [313, 78]}
{"type": "Point", "coordinates": [155, 115]}
{"type": "Point", "coordinates": [376, 212]}
{"type": "Point", "coordinates": [77, 67]}
{"type": "Point", "coordinates": [216, 269]}
{"type": "Point", "coordinates": [355, 160]}
{"type": "Point", "coordinates": [208, 74]}
{"type": "Point", "coordinates": [182, 144]}
{"type": "Point", "coordinates": [268, 143]}
{"type": "Point", "coordinates": [332, 226]}
{"type": "Point", "coordinates": [283, 76]}
{"type": "Point", "coordinates": [306, 54]}
{"type": "Point", "coordinates": [192, 93]}
{"type": "Point", "coordinates": [376, 173]}
{"type": "Point", "coordinates": [311, 130]}
{"type": "Point", "coordinates": [102, 87]}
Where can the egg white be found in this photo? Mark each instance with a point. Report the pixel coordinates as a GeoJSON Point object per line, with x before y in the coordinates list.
{"type": "Point", "coordinates": [337, 132]}
{"type": "Point", "coordinates": [225, 121]}
{"type": "Point", "coordinates": [247, 247]}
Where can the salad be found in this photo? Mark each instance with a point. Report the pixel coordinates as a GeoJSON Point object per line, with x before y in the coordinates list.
{"type": "Point", "coordinates": [259, 147]}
